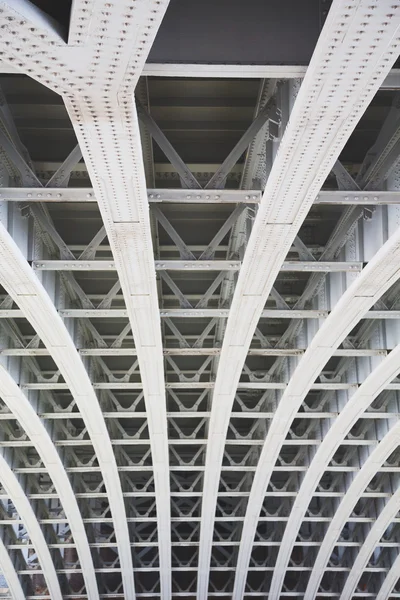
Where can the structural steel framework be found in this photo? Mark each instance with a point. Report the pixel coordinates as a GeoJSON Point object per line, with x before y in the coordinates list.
{"type": "Point", "coordinates": [199, 310]}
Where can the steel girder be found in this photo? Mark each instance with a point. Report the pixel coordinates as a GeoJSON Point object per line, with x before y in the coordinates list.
{"type": "Point", "coordinates": [159, 196]}
{"type": "Point", "coordinates": [385, 372]}
{"type": "Point", "coordinates": [353, 410]}
{"type": "Point", "coordinates": [9, 571]}
{"type": "Point", "coordinates": [16, 493]}
{"type": "Point", "coordinates": [25, 413]}
{"type": "Point", "coordinates": [127, 225]}
{"type": "Point", "coordinates": [377, 458]}
{"type": "Point", "coordinates": [281, 213]}
{"type": "Point", "coordinates": [391, 82]}
{"type": "Point", "coordinates": [18, 278]}
{"type": "Point", "coordinates": [350, 308]}
{"type": "Point", "coordinates": [360, 566]}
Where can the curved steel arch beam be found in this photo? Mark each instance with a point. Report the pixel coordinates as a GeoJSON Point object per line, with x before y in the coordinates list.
{"type": "Point", "coordinates": [382, 375]}
{"type": "Point", "coordinates": [105, 122]}
{"type": "Point", "coordinates": [17, 277]}
{"type": "Point", "coordinates": [390, 580]}
{"type": "Point", "coordinates": [10, 574]}
{"type": "Point", "coordinates": [380, 273]}
{"type": "Point", "coordinates": [23, 411]}
{"type": "Point", "coordinates": [386, 516]}
{"type": "Point", "coordinates": [332, 98]}
{"type": "Point", "coordinates": [18, 497]}
{"type": "Point", "coordinates": [374, 462]}
{"type": "Point", "coordinates": [128, 230]}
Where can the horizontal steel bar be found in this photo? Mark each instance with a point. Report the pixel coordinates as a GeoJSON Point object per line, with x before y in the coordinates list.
{"type": "Point", "coordinates": [86, 194]}
{"type": "Point", "coordinates": [183, 196]}
{"type": "Point", "coordinates": [185, 442]}
{"type": "Point", "coordinates": [200, 468]}
{"type": "Point", "coordinates": [195, 494]}
{"type": "Point", "coordinates": [356, 352]}
{"type": "Point", "coordinates": [208, 313]}
{"type": "Point", "coordinates": [233, 518]}
{"type": "Point", "coordinates": [242, 71]}
{"type": "Point", "coordinates": [262, 569]}
{"type": "Point", "coordinates": [194, 265]}
{"type": "Point", "coordinates": [362, 198]}
{"type": "Point", "coordinates": [186, 595]}
{"type": "Point", "coordinates": [197, 313]}
{"type": "Point", "coordinates": [160, 265]}
{"type": "Point", "coordinates": [179, 385]}
{"type": "Point", "coordinates": [191, 544]}
{"type": "Point", "coordinates": [201, 415]}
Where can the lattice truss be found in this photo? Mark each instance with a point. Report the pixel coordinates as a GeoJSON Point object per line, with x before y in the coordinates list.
{"type": "Point", "coordinates": [199, 391]}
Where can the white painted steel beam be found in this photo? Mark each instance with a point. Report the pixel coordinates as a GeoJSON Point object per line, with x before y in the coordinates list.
{"type": "Point", "coordinates": [372, 465]}
{"type": "Point", "coordinates": [23, 411]}
{"type": "Point", "coordinates": [118, 178]}
{"type": "Point", "coordinates": [386, 590]}
{"type": "Point", "coordinates": [27, 291]}
{"type": "Point", "coordinates": [16, 493]}
{"type": "Point", "coordinates": [118, 313]}
{"type": "Point", "coordinates": [360, 565]}
{"type": "Point", "coordinates": [358, 198]}
{"type": "Point", "coordinates": [391, 82]}
{"type": "Point", "coordinates": [332, 98]}
{"type": "Point", "coordinates": [179, 196]}
{"type": "Point", "coordinates": [356, 352]}
{"type": "Point", "coordinates": [375, 279]}
{"type": "Point", "coordinates": [20, 281]}
{"type": "Point", "coordinates": [355, 408]}
{"type": "Point", "coordinates": [104, 116]}
{"type": "Point", "coordinates": [195, 385]}
{"type": "Point", "coordinates": [194, 265]}
{"type": "Point", "coordinates": [154, 196]}
{"type": "Point", "coordinates": [195, 313]}
{"type": "Point", "coordinates": [11, 575]}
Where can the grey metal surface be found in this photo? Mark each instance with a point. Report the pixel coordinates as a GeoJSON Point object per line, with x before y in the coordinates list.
{"type": "Point", "coordinates": [231, 31]}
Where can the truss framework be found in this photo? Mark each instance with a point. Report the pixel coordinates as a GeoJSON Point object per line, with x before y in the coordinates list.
{"type": "Point", "coordinates": [194, 424]}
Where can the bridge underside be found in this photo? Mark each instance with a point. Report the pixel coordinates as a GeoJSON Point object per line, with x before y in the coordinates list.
{"type": "Point", "coordinates": [199, 299]}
